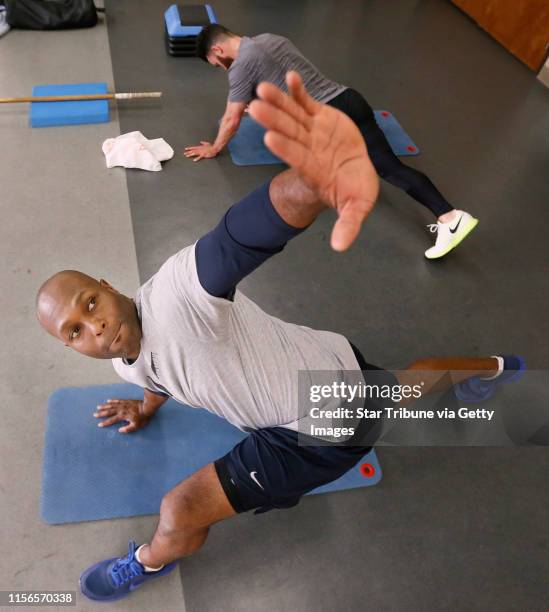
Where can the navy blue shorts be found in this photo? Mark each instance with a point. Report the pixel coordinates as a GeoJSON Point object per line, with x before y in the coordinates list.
{"type": "Point", "coordinates": [268, 469]}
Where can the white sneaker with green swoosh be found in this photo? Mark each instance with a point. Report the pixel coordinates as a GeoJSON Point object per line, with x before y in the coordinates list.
{"type": "Point", "coordinates": [450, 234]}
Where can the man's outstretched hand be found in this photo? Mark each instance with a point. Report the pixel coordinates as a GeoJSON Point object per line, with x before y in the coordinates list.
{"type": "Point", "coordinates": [325, 147]}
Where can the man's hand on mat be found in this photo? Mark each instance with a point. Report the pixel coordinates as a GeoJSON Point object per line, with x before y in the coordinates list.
{"type": "Point", "coordinates": [325, 147]}
{"type": "Point", "coordinates": [205, 150]}
{"type": "Point", "coordinates": [117, 410]}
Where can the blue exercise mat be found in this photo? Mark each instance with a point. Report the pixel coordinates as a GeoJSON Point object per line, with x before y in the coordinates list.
{"type": "Point", "coordinates": [48, 114]}
{"type": "Point", "coordinates": [91, 473]}
{"type": "Point", "coordinates": [247, 148]}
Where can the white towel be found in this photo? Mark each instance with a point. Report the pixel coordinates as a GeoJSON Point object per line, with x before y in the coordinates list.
{"type": "Point", "coordinates": [133, 150]}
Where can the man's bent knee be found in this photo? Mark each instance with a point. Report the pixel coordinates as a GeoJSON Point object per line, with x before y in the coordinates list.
{"type": "Point", "coordinates": [195, 503]}
{"type": "Point", "coordinates": [178, 512]}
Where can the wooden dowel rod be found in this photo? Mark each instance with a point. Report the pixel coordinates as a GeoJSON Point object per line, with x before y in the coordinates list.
{"type": "Point", "coordinates": [105, 96]}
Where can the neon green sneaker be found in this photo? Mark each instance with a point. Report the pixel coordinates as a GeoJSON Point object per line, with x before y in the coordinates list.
{"type": "Point", "coordinates": [451, 234]}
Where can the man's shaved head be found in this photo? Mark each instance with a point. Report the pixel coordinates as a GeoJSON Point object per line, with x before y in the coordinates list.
{"type": "Point", "coordinates": [49, 293]}
{"type": "Point", "coordinates": [89, 315]}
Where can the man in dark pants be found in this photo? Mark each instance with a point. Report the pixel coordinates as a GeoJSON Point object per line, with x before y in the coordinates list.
{"type": "Point", "coordinates": [267, 57]}
{"type": "Point", "coordinates": [192, 335]}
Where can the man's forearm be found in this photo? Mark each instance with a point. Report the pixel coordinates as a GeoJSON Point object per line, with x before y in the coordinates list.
{"type": "Point", "coordinates": [152, 402]}
{"type": "Point", "coordinates": [227, 129]}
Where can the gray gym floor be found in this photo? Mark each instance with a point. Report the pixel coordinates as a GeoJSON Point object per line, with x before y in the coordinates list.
{"type": "Point", "coordinates": [446, 529]}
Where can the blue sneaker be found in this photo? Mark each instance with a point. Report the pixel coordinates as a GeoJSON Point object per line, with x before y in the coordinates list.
{"type": "Point", "coordinates": [475, 389]}
{"type": "Point", "coordinates": [116, 578]}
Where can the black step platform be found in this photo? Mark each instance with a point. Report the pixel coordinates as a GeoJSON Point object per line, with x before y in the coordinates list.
{"type": "Point", "coordinates": [183, 24]}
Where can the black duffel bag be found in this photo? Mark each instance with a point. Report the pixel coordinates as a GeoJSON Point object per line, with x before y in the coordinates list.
{"type": "Point", "coordinates": [50, 14]}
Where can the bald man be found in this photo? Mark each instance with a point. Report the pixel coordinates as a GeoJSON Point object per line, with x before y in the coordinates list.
{"type": "Point", "coordinates": [267, 57]}
{"type": "Point", "coordinates": [190, 334]}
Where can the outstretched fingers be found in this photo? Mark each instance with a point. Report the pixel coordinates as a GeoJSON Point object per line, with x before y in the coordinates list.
{"type": "Point", "coordinates": [291, 114]}
{"type": "Point", "coordinates": [349, 222]}
{"type": "Point", "coordinates": [299, 93]}
{"type": "Point", "coordinates": [294, 153]}
{"type": "Point", "coordinates": [278, 121]}
{"type": "Point", "coordinates": [116, 418]}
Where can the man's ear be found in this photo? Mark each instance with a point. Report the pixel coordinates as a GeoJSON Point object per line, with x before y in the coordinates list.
{"type": "Point", "coordinates": [107, 285]}
{"type": "Point", "coordinates": [217, 50]}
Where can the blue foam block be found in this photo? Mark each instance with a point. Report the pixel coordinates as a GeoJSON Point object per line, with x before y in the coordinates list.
{"type": "Point", "coordinates": [91, 473]}
{"type": "Point", "coordinates": [247, 148]}
{"type": "Point", "coordinates": [47, 114]}
{"type": "Point", "coordinates": [176, 29]}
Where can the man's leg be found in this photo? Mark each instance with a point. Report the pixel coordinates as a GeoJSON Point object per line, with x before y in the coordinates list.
{"type": "Point", "coordinates": [453, 225]}
{"type": "Point", "coordinates": [186, 513]}
{"type": "Point", "coordinates": [441, 373]}
{"type": "Point", "coordinates": [388, 166]}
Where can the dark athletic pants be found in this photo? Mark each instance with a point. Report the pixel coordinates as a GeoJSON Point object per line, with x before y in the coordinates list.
{"type": "Point", "coordinates": [387, 164]}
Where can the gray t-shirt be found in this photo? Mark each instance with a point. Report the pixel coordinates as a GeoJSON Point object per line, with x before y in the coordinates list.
{"type": "Point", "coordinates": [229, 357]}
{"type": "Point", "coordinates": [268, 57]}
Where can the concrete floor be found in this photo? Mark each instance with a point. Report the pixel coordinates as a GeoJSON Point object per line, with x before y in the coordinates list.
{"type": "Point", "coordinates": [61, 208]}
{"type": "Point", "coordinates": [447, 529]}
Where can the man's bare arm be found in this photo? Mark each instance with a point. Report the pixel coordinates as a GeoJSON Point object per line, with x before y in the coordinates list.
{"type": "Point", "coordinates": [227, 129]}
{"type": "Point", "coordinates": [152, 402]}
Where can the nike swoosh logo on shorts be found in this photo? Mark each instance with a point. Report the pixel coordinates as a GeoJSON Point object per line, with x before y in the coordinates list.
{"type": "Point", "coordinates": [254, 478]}
{"type": "Point", "coordinates": [453, 230]}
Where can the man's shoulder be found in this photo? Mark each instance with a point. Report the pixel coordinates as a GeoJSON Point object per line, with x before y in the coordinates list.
{"type": "Point", "coordinates": [254, 51]}
{"type": "Point", "coordinates": [268, 37]}
{"type": "Point", "coordinates": [174, 277]}
{"type": "Point", "coordinates": [249, 50]}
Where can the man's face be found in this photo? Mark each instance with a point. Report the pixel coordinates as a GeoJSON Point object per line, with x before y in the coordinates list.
{"type": "Point", "coordinates": [90, 317]}
{"type": "Point", "coordinates": [218, 57]}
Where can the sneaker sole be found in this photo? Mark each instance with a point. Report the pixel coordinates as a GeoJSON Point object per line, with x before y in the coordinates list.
{"type": "Point", "coordinates": [470, 227]}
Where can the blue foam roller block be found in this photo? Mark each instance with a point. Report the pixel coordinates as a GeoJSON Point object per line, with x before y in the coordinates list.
{"type": "Point", "coordinates": [48, 114]}
{"type": "Point", "coordinates": [247, 149]}
{"type": "Point", "coordinates": [91, 473]}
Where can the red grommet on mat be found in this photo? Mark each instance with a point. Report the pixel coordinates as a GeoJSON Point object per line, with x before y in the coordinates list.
{"type": "Point", "coordinates": [367, 470]}
{"type": "Point", "coordinates": [385, 114]}
{"type": "Point", "coordinates": [411, 148]}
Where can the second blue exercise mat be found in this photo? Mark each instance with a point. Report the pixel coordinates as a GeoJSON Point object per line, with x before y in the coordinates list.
{"type": "Point", "coordinates": [247, 148]}
{"type": "Point", "coordinates": [75, 112]}
{"type": "Point", "coordinates": [92, 473]}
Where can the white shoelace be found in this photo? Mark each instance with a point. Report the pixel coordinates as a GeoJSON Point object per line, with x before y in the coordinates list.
{"type": "Point", "coordinates": [433, 228]}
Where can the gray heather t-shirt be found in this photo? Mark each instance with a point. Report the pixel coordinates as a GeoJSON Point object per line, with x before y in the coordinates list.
{"type": "Point", "coordinates": [268, 57]}
{"type": "Point", "coordinates": [229, 357]}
